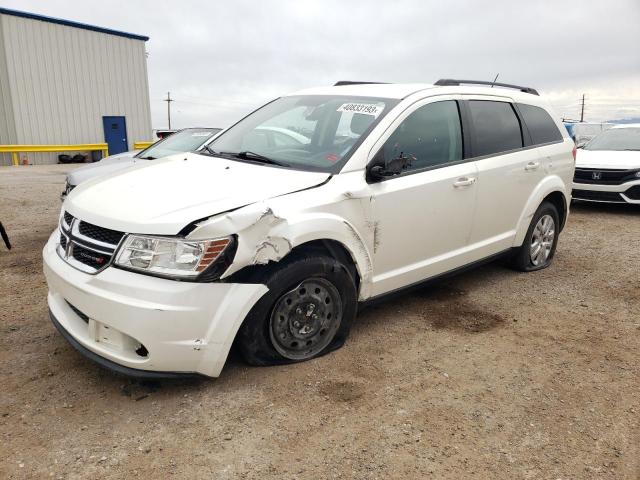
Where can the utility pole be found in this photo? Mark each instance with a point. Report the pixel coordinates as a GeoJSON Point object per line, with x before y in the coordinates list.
{"type": "Point", "coordinates": [582, 109]}
{"type": "Point", "coordinates": [168, 100]}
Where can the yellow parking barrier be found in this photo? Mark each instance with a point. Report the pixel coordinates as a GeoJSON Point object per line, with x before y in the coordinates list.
{"type": "Point", "coordinates": [142, 145]}
{"type": "Point", "coordinates": [84, 147]}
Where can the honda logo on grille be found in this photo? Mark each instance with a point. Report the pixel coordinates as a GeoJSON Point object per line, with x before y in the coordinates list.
{"type": "Point", "coordinates": [596, 175]}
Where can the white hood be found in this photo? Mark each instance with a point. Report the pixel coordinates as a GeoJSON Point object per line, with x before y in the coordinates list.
{"type": "Point", "coordinates": [163, 196]}
{"type": "Point", "coordinates": [604, 159]}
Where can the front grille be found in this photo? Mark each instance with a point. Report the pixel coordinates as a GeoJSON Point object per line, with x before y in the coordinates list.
{"type": "Point", "coordinates": [101, 234]}
{"type": "Point", "coordinates": [86, 246]}
{"type": "Point", "coordinates": [597, 196]}
{"type": "Point", "coordinates": [68, 218]}
{"type": "Point", "coordinates": [633, 193]}
{"type": "Point", "coordinates": [604, 177]}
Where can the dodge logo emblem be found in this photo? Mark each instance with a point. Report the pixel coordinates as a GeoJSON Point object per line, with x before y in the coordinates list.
{"type": "Point", "coordinates": [596, 175]}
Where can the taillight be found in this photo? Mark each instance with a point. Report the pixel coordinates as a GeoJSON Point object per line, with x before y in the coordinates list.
{"type": "Point", "coordinates": [573, 152]}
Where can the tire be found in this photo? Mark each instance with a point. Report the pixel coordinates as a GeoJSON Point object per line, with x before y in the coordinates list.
{"type": "Point", "coordinates": [525, 259]}
{"type": "Point", "coordinates": [283, 326]}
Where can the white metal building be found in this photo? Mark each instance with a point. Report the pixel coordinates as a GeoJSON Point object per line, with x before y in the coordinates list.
{"type": "Point", "coordinates": [64, 83]}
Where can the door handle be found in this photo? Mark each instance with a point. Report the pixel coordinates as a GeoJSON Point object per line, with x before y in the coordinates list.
{"type": "Point", "coordinates": [532, 166]}
{"type": "Point", "coordinates": [464, 182]}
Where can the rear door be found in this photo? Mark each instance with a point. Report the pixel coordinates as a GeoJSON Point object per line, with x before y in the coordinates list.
{"type": "Point", "coordinates": [508, 172]}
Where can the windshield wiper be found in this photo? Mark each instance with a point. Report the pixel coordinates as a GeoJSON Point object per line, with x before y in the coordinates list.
{"type": "Point", "coordinates": [209, 150]}
{"type": "Point", "coordinates": [255, 157]}
{"type": "Point", "coordinates": [148, 158]}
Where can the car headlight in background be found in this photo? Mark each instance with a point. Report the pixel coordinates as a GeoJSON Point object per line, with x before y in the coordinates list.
{"type": "Point", "coordinates": [172, 257]}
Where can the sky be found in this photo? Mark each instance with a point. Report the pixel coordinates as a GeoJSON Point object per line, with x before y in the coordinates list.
{"type": "Point", "coordinates": [221, 60]}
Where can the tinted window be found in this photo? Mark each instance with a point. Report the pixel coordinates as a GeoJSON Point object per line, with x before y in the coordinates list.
{"type": "Point", "coordinates": [540, 124]}
{"type": "Point", "coordinates": [430, 136]}
{"type": "Point", "coordinates": [497, 127]}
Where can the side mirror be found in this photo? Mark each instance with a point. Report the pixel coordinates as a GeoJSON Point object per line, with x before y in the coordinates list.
{"type": "Point", "coordinates": [393, 167]}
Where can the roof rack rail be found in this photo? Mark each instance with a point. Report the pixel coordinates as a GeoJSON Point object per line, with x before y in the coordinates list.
{"type": "Point", "coordinates": [448, 82]}
{"type": "Point", "coordinates": [342, 83]}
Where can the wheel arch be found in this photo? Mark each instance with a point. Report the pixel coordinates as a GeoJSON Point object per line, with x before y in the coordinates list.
{"type": "Point", "coordinates": [551, 189]}
{"type": "Point", "coordinates": [558, 200]}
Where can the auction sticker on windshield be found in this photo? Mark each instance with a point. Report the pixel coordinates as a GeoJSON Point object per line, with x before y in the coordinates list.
{"type": "Point", "coordinates": [364, 108]}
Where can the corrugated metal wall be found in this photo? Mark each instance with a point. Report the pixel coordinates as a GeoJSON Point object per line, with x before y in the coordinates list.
{"type": "Point", "coordinates": [7, 124]}
{"type": "Point", "coordinates": [63, 80]}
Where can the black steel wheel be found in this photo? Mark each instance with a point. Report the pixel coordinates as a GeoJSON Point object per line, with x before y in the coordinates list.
{"type": "Point", "coordinates": [307, 311]}
{"type": "Point", "coordinates": [305, 319]}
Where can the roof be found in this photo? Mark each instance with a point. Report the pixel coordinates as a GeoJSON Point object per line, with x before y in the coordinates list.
{"type": "Point", "coordinates": [380, 90]}
{"type": "Point", "coordinates": [403, 90]}
{"type": "Point", "coordinates": [69, 23]}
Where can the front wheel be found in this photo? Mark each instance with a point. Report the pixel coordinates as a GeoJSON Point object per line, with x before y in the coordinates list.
{"type": "Point", "coordinates": [541, 240]}
{"type": "Point", "coordinates": [307, 312]}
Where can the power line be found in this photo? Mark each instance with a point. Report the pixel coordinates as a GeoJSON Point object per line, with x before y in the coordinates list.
{"type": "Point", "coordinates": [169, 100]}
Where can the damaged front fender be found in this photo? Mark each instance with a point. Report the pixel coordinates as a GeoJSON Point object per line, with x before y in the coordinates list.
{"type": "Point", "coordinates": [268, 235]}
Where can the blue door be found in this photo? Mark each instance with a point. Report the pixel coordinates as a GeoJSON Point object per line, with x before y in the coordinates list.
{"type": "Point", "coordinates": [115, 134]}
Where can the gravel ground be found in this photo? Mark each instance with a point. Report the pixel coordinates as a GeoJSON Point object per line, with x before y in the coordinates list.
{"type": "Point", "coordinates": [491, 374]}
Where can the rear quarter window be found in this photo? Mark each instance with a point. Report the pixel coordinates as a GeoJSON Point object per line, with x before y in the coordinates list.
{"type": "Point", "coordinates": [541, 126]}
{"type": "Point", "coordinates": [496, 126]}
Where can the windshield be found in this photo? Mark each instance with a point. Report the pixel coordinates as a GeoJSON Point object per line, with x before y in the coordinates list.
{"type": "Point", "coordinates": [314, 132]}
{"type": "Point", "coordinates": [186, 140]}
{"type": "Point", "coordinates": [616, 139]}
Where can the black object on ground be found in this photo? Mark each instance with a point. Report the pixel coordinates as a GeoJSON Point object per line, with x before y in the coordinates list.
{"type": "Point", "coordinates": [5, 237]}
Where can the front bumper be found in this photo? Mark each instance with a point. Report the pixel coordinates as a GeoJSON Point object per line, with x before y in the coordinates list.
{"type": "Point", "coordinates": [628, 192]}
{"type": "Point", "coordinates": [144, 323]}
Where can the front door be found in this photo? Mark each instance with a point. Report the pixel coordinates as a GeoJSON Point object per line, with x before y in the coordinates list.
{"type": "Point", "coordinates": [115, 134]}
{"type": "Point", "coordinates": [423, 217]}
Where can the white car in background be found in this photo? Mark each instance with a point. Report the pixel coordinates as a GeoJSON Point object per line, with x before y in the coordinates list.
{"type": "Point", "coordinates": [608, 167]}
{"type": "Point", "coordinates": [185, 140]}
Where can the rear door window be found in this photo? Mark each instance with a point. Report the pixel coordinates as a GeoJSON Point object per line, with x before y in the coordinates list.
{"type": "Point", "coordinates": [496, 125]}
{"type": "Point", "coordinates": [540, 124]}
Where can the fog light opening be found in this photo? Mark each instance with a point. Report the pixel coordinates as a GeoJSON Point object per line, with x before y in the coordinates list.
{"type": "Point", "coordinates": [142, 351]}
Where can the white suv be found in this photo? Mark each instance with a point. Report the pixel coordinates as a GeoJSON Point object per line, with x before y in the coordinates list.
{"type": "Point", "coordinates": [271, 241]}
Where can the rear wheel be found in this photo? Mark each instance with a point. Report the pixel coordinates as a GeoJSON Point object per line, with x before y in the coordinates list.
{"type": "Point", "coordinates": [307, 312]}
{"type": "Point", "coordinates": [540, 243]}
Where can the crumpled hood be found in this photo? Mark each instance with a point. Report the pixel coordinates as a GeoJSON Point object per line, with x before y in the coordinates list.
{"type": "Point", "coordinates": [104, 166]}
{"type": "Point", "coordinates": [607, 159]}
{"type": "Point", "coordinates": [163, 196]}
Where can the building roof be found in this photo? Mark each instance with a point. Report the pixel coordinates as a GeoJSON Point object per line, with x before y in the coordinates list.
{"type": "Point", "coordinates": [69, 23]}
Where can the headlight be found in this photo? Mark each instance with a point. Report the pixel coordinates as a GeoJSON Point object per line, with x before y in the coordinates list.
{"type": "Point", "coordinates": [173, 257]}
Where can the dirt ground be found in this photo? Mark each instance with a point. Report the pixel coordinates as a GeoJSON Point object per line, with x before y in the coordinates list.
{"type": "Point", "coordinates": [491, 374]}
